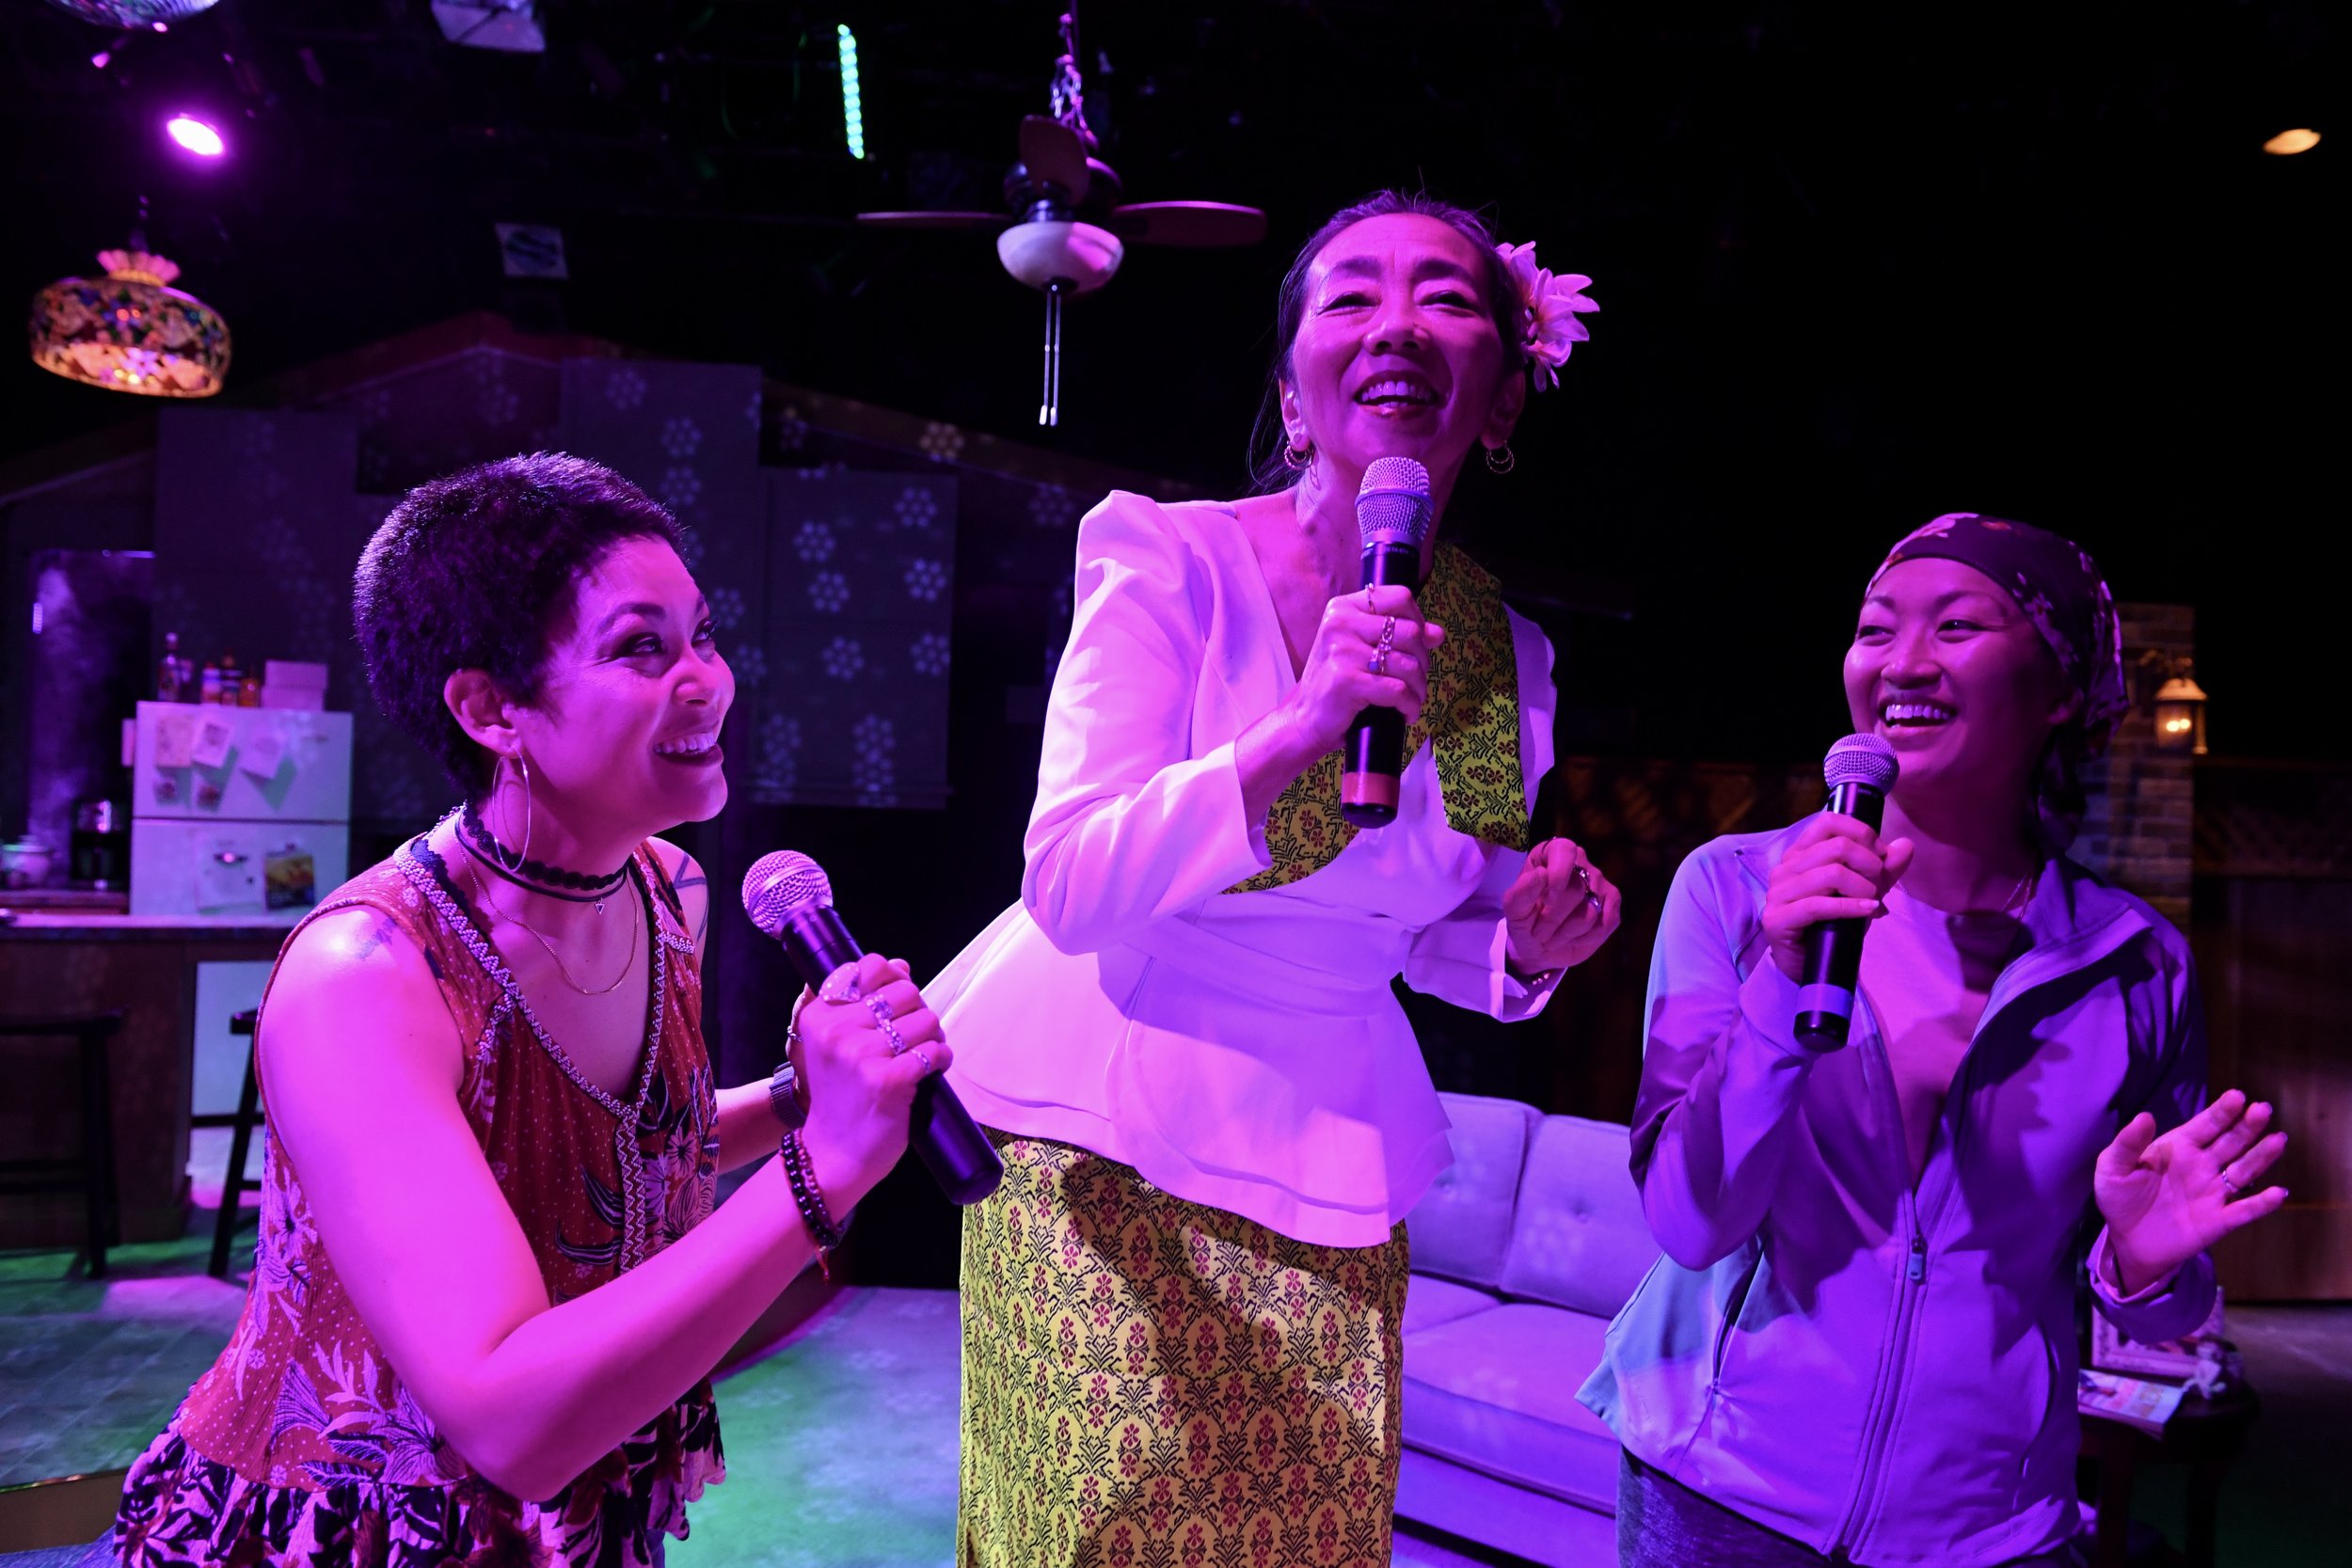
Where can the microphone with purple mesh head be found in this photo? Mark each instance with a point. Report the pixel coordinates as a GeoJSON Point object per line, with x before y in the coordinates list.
{"type": "Point", "coordinates": [788, 896]}
{"type": "Point", "coordinates": [1860, 772]}
{"type": "Point", "coordinates": [1392, 515]}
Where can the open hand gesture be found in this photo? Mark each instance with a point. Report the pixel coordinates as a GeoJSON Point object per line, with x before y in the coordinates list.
{"type": "Point", "coordinates": [2168, 1198]}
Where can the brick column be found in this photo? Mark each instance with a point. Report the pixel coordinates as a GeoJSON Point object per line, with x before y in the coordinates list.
{"type": "Point", "coordinates": [2141, 801]}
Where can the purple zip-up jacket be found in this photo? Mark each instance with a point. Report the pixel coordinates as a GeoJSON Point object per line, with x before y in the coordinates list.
{"type": "Point", "coordinates": [1858, 1365]}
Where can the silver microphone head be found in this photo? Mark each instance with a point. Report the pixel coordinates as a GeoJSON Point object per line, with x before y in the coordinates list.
{"type": "Point", "coordinates": [1392, 503]}
{"type": "Point", "coordinates": [780, 883]}
{"type": "Point", "coordinates": [1863, 759]}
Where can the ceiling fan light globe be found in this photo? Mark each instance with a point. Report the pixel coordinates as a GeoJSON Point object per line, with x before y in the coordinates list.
{"type": "Point", "coordinates": [1079, 254]}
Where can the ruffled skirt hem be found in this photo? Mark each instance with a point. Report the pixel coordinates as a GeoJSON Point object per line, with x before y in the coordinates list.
{"type": "Point", "coordinates": [181, 1508]}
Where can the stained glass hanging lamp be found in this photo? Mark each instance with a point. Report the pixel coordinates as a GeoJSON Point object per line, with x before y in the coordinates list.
{"type": "Point", "coordinates": [131, 331]}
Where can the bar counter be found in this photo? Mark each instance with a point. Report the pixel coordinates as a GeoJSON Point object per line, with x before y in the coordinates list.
{"type": "Point", "coordinates": [73, 961]}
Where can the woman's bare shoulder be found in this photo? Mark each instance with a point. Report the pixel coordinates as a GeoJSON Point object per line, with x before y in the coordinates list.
{"type": "Point", "coordinates": [353, 973]}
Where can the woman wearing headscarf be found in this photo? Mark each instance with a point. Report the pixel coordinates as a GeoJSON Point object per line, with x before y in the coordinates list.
{"type": "Point", "coordinates": [1860, 1344]}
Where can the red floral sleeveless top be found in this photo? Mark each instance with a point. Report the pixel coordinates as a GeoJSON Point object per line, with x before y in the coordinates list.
{"type": "Point", "coordinates": [302, 1446]}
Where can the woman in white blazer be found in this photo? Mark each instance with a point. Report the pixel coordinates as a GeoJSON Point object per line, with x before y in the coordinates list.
{"type": "Point", "coordinates": [1182, 1308]}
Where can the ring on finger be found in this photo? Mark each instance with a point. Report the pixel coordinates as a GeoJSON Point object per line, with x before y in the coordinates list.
{"type": "Point", "coordinates": [1387, 633]}
{"type": "Point", "coordinates": [923, 1056]}
{"type": "Point", "coordinates": [882, 1020]}
{"type": "Point", "coordinates": [1378, 662]}
{"type": "Point", "coordinates": [2227, 1182]}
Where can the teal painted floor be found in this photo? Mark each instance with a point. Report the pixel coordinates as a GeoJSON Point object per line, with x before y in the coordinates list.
{"type": "Point", "coordinates": [841, 1446]}
{"type": "Point", "coordinates": [90, 1369]}
{"type": "Point", "coordinates": [841, 1443]}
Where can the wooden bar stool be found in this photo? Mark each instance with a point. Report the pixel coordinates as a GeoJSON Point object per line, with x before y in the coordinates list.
{"type": "Point", "coordinates": [92, 1171]}
{"type": "Point", "coordinates": [243, 1118]}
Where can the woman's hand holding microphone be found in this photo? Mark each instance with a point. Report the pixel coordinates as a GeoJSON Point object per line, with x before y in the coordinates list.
{"type": "Point", "coordinates": [1372, 650]}
{"type": "Point", "coordinates": [863, 1043]}
{"type": "Point", "coordinates": [1835, 870]}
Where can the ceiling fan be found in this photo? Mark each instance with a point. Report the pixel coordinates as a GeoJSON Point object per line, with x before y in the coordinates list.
{"type": "Point", "coordinates": [1065, 230]}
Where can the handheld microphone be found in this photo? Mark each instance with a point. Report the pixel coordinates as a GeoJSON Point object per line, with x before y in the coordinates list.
{"type": "Point", "coordinates": [788, 896]}
{"type": "Point", "coordinates": [1393, 516]}
{"type": "Point", "coordinates": [1860, 772]}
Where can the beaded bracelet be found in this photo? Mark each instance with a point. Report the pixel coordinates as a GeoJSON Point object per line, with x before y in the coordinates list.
{"type": "Point", "coordinates": [811, 1199]}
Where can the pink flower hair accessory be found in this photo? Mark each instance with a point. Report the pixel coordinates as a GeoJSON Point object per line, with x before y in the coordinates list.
{"type": "Point", "coordinates": [1549, 303]}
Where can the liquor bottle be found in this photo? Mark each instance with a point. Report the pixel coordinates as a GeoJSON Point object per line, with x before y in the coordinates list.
{"type": "Point", "coordinates": [209, 691]}
{"type": "Point", "coordinates": [171, 673]}
{"type": "Point", "coordinates": [232, 677]}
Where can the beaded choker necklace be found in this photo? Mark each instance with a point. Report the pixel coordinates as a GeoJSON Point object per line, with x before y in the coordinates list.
{"type": "Point", "coordinates": [538, 877]}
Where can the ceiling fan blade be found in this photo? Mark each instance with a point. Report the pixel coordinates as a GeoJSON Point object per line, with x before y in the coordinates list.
{"type": "Point", "coordinates": [1052, 151]}
{"type": "Point", "coordinates": [1187, 222]}
{"type": "Point", "coordinates": [933, 220]}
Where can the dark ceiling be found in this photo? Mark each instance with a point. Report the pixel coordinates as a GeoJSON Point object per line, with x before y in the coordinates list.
{"type": "Point", "coordinates": [1857, 267]}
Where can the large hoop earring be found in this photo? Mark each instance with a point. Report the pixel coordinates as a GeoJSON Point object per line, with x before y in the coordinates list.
{"type": "Point", "coordinates": [1294, 457]}
{"type": "Point", "coordinates": [522, 856]}
{"type": "Point", "coordinates": [1501, 459]}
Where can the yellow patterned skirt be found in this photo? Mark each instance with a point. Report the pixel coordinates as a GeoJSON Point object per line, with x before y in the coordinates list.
{"type": "Point", "coordinates": [1147, 1381]}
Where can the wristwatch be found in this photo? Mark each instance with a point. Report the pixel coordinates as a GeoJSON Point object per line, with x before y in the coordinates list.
{"type": "Point", "coordinates": [786, 1095]}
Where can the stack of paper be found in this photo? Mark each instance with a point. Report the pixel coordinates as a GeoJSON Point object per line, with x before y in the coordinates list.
{"type": "Point", "coordinates": [2136, 1401]}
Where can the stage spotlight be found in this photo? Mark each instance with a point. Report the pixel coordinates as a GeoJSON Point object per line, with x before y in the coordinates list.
{"type": "Point", "coordinates": [194, 135]}
{"type": "Point", "coordinates": [2287, 143]}
{"type": "Point", "coordinates": [511, 26]}
{"type": "Point", "coordinates": [853, 112]}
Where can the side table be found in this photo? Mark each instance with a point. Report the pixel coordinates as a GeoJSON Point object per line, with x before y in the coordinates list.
{"type": "Point", "coordinates": [2204, 1435]}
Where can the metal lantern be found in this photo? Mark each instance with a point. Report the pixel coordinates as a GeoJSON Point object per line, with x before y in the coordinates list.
{"type": "Point", "coordinates": [2179, 705]}
{"type": "Point", "coordinates": [129, 331]}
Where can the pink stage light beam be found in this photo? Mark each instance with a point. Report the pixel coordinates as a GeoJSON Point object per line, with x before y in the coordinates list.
{"type": "Point", "coordinates": [196, 136]}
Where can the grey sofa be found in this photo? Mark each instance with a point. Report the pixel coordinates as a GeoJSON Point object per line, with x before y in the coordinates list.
{"type": "Point", "coordinates": [1522, 1252]}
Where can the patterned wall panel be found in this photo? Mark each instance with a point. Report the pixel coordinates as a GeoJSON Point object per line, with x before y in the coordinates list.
{"type": "Point", "coordinates": [430, 420]}
{"type": "Point", "coordinates": [853, 704]}
{"type": "Point", "coordinates": [254, 536]}
{"type": "Point", "coordinates": [256, 531]}
{"type": "Point", "coordinates": [687, 435]}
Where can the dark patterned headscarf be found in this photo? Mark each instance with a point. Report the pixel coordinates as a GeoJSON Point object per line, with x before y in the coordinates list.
{"type": "Point", "coordinates": [2058, 585]}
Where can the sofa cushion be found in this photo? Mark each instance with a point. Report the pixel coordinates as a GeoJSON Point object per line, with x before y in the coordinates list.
{"type": "Point", "coordinates": [1496, 1392]}
{"type": "Point", "coordinates": [1579, 1240]}
{"type": "Point", "coordinates": [1462, 1225]}
{"type": "Point", "coordinates": [1430, 1301]}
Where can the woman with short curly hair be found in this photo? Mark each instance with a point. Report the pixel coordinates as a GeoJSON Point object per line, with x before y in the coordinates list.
{"type": "Point", "coordinates": [490, 1285]}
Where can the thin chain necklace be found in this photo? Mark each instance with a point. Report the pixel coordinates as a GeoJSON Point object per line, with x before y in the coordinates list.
{"type": "Point", "coordinates": [2012, 907]}
{"type": "Point", "coordinates": [628, 964]}
{"type": "Point", "coordinates": [2022, 895]}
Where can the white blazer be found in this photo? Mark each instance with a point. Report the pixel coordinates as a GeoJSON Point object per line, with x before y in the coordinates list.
{"type": "Point", "coordinates": [1241, 1051]}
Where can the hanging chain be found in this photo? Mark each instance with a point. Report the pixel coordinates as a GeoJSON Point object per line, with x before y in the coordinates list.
{"type": "Point", "coordinates": [1069, 94]}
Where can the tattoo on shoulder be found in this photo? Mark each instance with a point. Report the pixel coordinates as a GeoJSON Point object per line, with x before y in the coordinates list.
{"type": "Point", "coordinates": [690, 875]}
{"type": "Point", "coordinates": [379, 934]}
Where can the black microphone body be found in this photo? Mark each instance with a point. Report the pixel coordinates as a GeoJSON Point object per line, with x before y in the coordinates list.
{"type": "Point", "coordinates": [1392, 515]}
{"type": "Point", "coordinates": [1833, 948]}
{"type": "Point", "coordinates": [940, 1131]}
{"type": "Point", "coordinates": [1375, 752]}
